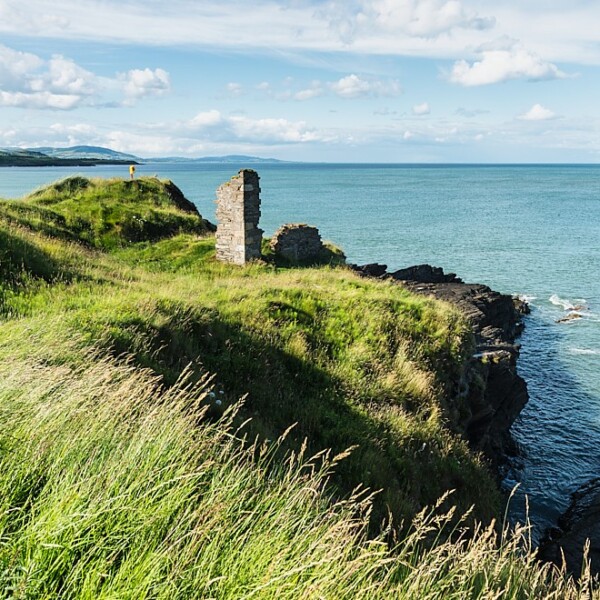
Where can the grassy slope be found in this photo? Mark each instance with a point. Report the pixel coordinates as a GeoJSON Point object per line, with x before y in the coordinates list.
{"type": "Point", "coordinates": [111, 459]}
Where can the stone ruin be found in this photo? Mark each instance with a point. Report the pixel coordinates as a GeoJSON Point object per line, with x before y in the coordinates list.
{"type": "Point", "coordinates": [238, 211]}
{"type": "Point", "coordinates": [297, 242]}
{"type": "Point", "coordinates": [238, 236]}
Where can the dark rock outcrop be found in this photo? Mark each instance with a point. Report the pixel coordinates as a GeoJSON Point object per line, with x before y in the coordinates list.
{"type": "Point", "coordinates": [490, 395]}
{"type": "Point", "coordinates": [182, 203]}
{"type": "Point", "coordinates": [581, 522]}
{"type": "Point", "coordinates": [425, 274]}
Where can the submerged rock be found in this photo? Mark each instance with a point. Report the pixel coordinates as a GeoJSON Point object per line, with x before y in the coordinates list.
{"type": "Point", "coordinates": [572, 316]}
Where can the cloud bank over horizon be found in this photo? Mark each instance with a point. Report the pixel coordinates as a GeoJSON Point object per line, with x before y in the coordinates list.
{"type": "Point", "coordinates": [305, 79]}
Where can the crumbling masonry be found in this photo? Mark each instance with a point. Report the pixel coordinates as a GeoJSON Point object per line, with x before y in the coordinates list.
{"type": "Point", "coordinates": [238, 211]}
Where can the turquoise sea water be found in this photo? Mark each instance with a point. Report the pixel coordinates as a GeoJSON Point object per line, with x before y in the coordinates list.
{"type": "Point", "coordinates": [527, 230]}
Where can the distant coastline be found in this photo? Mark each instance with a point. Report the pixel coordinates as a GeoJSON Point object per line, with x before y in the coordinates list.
{"type": "Point", "coordinates": [29, 161]}
{"type": "Point", "coordinates": [91, 156]}
{"type": "Point", "coordinates": [77, 156]}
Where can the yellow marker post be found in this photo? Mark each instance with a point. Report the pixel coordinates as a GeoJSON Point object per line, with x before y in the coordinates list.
{"type": "Point", "coordinates": [131, 171]}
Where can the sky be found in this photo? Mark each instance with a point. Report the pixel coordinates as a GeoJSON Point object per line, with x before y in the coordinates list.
{"type": "Point", "coordinates": [404, 81]}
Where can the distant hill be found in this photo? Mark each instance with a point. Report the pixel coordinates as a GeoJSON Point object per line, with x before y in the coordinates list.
{"type": "Point", "coordinates": [93, 152]}
{"type": "Point", "coordinates": [77, 156]}
{"type": "Point", "coordinates": [94, 155]}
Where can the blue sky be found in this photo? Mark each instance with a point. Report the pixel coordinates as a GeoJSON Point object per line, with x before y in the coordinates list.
{"type": "Point", "coordinates": [327, 80]}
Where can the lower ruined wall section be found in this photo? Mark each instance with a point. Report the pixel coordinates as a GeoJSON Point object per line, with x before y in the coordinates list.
{"type": "Point", "coordinates": [238, 237]}
{"type": "Point", "coordinates": [297, 243]}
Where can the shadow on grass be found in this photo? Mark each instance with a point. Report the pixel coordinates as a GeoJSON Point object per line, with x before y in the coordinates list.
{"type": "Point", "coordinates": [21, 260]}
{"type": "Point", "coordinates": [282, 390]}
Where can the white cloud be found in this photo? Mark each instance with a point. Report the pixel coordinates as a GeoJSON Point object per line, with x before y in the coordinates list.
{"type": "Point", "coordinates": [39, 100]}
{"type": "Point", "coordinates": [14, 65]}
{"type": "Point", "coordinates": [214, 126]}
{"type": "Point", "coordinates": [426, 18]}
{"type": "Point", "coordinates": [272, 130]}
{"type": "Point", "coordinates": [65, 76]}
{"type": "Point", "coordinates": [59, 83]}
{"type": "Point", "coordinates": [350, 86]}
{"type": "Point", "coordinates": [235, 89]}
{"type": "Point", "coordinates": [209, 118]}
{"type": "Point", "coordinates": [538, 113]}
{"type": "Point", "coordinates": [308, 94]}
{"type": "Point", "coordinates": [413, 27]}
{"type": "Point", "coordinates": [77, 129]}
{"type": "Point", "coordinates": [314, 91]}
{"type": "Point", "coordinates": [408, 135]}
{"type": "Point", "coordinates": [434, 28]}
{"type": "Point", "coordinates": [353, 86]}
{"type": "Point", "coordinates": [421, 109]}
{"type": "Point", "coordinates": [496, 66]}
{"type": "Point", "coordinates": [138, 83]}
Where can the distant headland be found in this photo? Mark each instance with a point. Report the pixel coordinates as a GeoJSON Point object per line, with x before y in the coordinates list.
{"type": "Point", "coordinates": [90, 156]}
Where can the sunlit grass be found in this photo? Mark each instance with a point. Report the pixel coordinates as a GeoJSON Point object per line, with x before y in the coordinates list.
{"type": "Point", "coordinates": [123, 477]}
{"type": "Point", "coordinates": [113, 487]}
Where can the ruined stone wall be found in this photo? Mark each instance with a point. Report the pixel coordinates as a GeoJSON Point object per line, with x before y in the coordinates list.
{"type": "Point", "coordinates": [238, 211]}
{"type": "Point", "coordinates": [297, 242]}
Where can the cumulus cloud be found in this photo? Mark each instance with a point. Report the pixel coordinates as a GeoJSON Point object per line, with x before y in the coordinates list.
{"type": "Point", "coordinates": [28, 81]}
{"type": "Point", "coordinates": [139, 83]}
{"type": "Point", "coordinates": [421, 109]}
{"type": "Point", "coordinates": [59, 83]}
{"type": "Point", "coordinates": [314, 91]}
{"type": "Point", "coordinates": [41, 100]}
{"type": "Point", "coordinates": [350, 87]}
{"type": "Point", "coordinates": [353, 86]}
{"type": "Point", "coordinates": [496, 66]}
{"type": "Point", "coordinates": [209, 118]}
{"type": "Point", "coordinates": [213, 125]}
{"type": "Point", "coordinates": [538, 113]}
{"type": "Point", "coordinates": [14, 65]}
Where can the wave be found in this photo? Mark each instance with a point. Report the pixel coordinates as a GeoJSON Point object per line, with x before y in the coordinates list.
{"type": "Point", "coordinates": [586, 351]}
{"type": "Point", "coordinates": [567, 304]}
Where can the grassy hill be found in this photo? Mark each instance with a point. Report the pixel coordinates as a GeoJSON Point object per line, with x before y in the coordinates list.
{"type": "Point", "coordinates": [129, 464]}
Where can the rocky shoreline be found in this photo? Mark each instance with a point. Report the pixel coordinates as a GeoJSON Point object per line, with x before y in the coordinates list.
{"type": "Point", "coordinates": [581, 522]}
{"type": "Point", "coordinates": [490, 394]}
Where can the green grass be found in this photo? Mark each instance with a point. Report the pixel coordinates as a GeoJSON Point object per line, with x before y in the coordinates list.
{"type": "Point", "coordinates": [113, 487]}
{"type": "Point", "coordinates": [107, 213]}
{"type": "Point", "coordinates": [123, 477]}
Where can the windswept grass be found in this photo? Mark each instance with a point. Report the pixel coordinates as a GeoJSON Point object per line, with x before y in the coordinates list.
{"type": "Point", "coordinates": [113, 487]}
{"type": "Point", "coordinates": [128, 466]}
{"type": "Point", "coordinates": [107, 213]}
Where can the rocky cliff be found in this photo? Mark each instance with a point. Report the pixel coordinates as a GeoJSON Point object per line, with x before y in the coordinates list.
{"type": "Point", "coordinates": [579, 525]}
{"type": "Point", "coordinates": [484, 404]}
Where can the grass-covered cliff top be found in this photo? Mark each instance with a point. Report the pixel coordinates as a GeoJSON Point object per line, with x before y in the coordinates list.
{"type": "Point", "coordinates": [123, 341]}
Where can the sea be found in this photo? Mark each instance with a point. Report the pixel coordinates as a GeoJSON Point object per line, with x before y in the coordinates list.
{"type": "Point", "coordinates": [527, 230]}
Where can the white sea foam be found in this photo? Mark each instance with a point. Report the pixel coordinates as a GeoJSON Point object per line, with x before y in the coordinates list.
{"type": "Point", "coordinates": [526, 298]}
{"type": "Point", "coordinates": [557, 301]}
{"type": "Point", "coordinates": [586, 351]}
